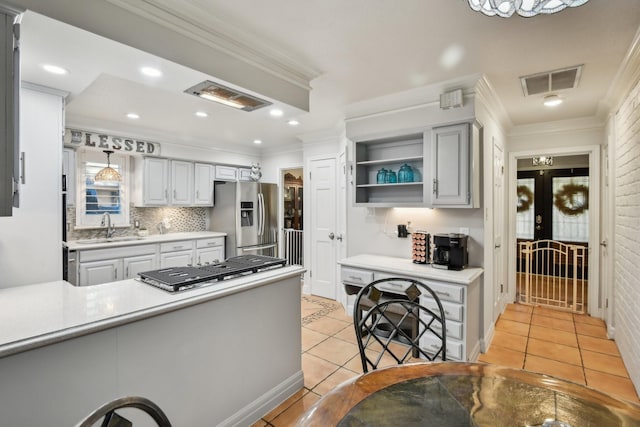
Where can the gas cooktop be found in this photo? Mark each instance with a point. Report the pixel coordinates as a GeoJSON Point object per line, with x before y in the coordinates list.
{"type": "Point", "coordinates": [177, 279]}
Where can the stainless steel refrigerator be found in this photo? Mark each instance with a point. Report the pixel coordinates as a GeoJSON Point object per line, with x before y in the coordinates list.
{"type": "Point", "coordinates": [248, 213]}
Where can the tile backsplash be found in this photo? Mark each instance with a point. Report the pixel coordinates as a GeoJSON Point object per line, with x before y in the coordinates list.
{"type": "Point", "coordinates": [180, 219]}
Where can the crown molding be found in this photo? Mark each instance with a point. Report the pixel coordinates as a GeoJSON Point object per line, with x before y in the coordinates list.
{"type": "Point", "coordinates": [286, 149]}
{"type": "Point", "coordinates": [582, 124]}
{"type": "Point", "coordinates": [626, 78]}
{"type": "Point", "coordinates": [486, 94]}
{"type": "Point", "coordinates": [210, 29]}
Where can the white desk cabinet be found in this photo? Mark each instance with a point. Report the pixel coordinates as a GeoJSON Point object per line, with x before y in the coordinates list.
{"type": "Point", "coordinates": [460, 301]}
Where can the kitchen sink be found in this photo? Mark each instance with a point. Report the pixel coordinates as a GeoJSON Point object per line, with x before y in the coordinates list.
{"type": "Point", "coordinates": [111, 240]}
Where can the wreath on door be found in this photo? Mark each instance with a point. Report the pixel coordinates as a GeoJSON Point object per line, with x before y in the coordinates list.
{"type": "Point", "coordinates": [572, 199]}
{"type": "Point", "coordinates": [525, 198]}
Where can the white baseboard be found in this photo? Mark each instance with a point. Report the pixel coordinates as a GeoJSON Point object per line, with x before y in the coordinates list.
{"type": "Point", "coordinates": [485, 342]}
{"type": "Point", "coordinates": [267, 402]}
{"type": "Point", "coordinates": [474, 353]}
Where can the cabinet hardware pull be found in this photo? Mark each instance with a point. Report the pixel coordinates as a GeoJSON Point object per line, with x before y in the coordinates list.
{"type": "Point", "coordinates": [447, 294]}
{"type": "Point", "coordinates": [355, 278]}
{"type": "Point", "coordinates": [435, 186]}
{"type": "Point", "coordinates": [127, 273]}
{"type": "Point", "coordinates": [115, 270]}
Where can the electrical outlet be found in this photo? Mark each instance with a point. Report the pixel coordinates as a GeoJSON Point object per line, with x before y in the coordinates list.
{"type": "Point", "coordinates": [464, 230]}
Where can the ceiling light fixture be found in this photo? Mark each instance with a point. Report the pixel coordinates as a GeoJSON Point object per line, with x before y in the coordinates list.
{"type": "Point", "coordinates": [542, 161]}
{"type": "Point", "coordinates": [225, 95]}
{"type": "Point", "coordinates": [201, 114]}
{"type": "Point", "coordinates": [276, 112]}
{"type": "Point", "coordinates": [257, 141]}
{"type": "Point", "coordinates": [54, 69]}
{"type": "Point", "coordinates": [525, 8]}
{"type": "Point", "coordinates": [108, 174]}
{"type": "Point", "coordinates": [552, 101]}
{"type": "Point", "coordinates": [133, 116]}
{"type": "Point", "coordinates": [293, 122]}
{"type": "Point", "coordinates": [151, 72]}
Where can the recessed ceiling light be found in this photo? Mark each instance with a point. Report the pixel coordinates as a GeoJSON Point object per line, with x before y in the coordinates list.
{"type": "Point", "coordinates": [293, 122]}
{"type": "Point", "coordinates": [133, 116]}
{"type": "Point", "coordinates": [150, 71]}
{"type": "Point", "coordinates": [54, 69]}
{"type": "Point", "coordinates": [257, 141]}
{"type": "Point", "coordinates": [552, 100]}
{"type": "Point", "coordinates": [201, 114]}
{"type": "Point", "coordinates": [276, 113]}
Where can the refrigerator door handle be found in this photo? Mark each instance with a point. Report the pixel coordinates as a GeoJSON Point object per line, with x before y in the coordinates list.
{"type": "Point", "coordinates": [261, 216]}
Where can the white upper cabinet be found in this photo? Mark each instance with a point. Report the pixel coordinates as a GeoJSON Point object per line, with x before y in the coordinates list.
{"type": "Point", "coordinates": [154, 179]}
{"type": "Point", "coordinates": [450, 165]}
{"type": "Point", "coordinates": [204, 176]}
{"type": "Point", "coordinates": [244, 174]}
{"type": "Point", "coordinates": [181, 183]}
{"type": "Point", "coordinates": [226, 173]}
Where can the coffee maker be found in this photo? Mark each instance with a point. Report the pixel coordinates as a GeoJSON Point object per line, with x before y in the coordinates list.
{"type": "Point", "coordinates": [450, 252]}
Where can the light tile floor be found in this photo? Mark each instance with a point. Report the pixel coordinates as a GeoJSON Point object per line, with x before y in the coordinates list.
{"type": "Point", "coordinates": [560, 344]}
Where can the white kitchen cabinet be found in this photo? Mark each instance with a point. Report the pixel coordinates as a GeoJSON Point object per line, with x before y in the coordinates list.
{"type": "Point", "coordinates": [152, 177]}
{"type": "Point", "coordinates": [176, 254]}
{"type": "Point", "coordinates": [226, 173]}
{"type": "Point", "coordinates": [204, 176]}
{"type": "Point", "coordinates": [97, 266]}
{"type": "Point", "coordinates": [69, 170]}
{"type": "Point", "coordinates": [137, 264]}
{"type": "Point", "coordinates": [244, 174]}
{"type": "Point", "coordinates": [461, 304]}
{"type": "Point", "coordinates": [390, 154]}
{"type": "Point", "coordinates": [210, 251]}
{"type": "Point", "coordinates": [450, 165]}
{"type": "Point", "coordinates": [96, 272]}
{"type": "Point", "coordinates": [181, 183]}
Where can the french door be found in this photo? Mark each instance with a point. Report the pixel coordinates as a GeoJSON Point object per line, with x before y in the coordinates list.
{"type": "Point", "coordinates": [552, 229]}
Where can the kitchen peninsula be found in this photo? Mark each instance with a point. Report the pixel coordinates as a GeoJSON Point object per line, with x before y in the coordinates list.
{"type": "Point", "coordinates": [200, 354]}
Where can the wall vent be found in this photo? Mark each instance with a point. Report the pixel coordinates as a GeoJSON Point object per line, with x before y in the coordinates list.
{"type": "Point", "coordinates": [225, 95]}
{"type": "Point", "coordinates": [551, 81]}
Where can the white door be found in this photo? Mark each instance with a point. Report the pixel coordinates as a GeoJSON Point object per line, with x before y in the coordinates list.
{"type": "Point", "coordinates": [341, 210]}
{"type": "Point", "coordinates": [499, 288]}
{"type": "Point", "coordinates": [181, 182]}
{"type": "Point", "coordinates": [322, 183]}
{"type": "Point", "coordinates": [203, 184]}
{"type": "Point", "coordinates": [156, 181]}
{"type": "Point", "coordinates": [137, 264]}
{"type": "Point", "coordinates": [176, 259]}
{"type": "Point", "coordinates": [210, 255]}
{"type": "Point", "coordinates": [97, 272]}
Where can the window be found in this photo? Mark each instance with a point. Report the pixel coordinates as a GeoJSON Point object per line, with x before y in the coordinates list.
{"type": "Point", "coordinates": [94, 199]}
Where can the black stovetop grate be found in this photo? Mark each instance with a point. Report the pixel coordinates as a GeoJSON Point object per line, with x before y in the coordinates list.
{"type": "Point", "coordinates": [174, 279]}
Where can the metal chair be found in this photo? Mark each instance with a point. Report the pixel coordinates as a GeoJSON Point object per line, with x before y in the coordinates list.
{"type": "Point", "coordinates": [398, 323]}
{"type": "Point", "coordinates": [110, 418]}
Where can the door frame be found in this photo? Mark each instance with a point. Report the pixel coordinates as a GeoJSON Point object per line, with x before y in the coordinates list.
{"type": "Point", "coordinates": [593, 151]}
{"type": "Point", "coordinates": [281, 172]}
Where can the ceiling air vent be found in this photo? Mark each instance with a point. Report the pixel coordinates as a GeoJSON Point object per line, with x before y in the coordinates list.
{"type": "Point", "coordinates": [551, 81]}
{"type": "Point", "coordinates": [227, 96]}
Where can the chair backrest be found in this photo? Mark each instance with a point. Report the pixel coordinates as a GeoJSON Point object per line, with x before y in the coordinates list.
{"type": "Point", "coordinates": [394, 327]}
{"type": "Point", "coordinates": [107, 413]}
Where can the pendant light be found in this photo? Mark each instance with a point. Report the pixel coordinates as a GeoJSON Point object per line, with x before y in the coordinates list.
{"type": "Point", "coordinates": [108, 173]}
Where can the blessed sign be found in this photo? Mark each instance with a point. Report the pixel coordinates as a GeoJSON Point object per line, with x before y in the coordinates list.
{"type": "Point", "coordinates": [101, 141]}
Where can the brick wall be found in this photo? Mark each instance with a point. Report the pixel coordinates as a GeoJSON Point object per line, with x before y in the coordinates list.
{"type": "Point", "coordinates": [627, 232]}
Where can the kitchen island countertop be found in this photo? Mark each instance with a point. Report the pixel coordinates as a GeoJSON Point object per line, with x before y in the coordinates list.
{"type": "Point", "coordinates": [45, 313]}
{"type": "Point", "coordinates": [406, 267]}
{"type": "Point", "coordinates": [84, 244]}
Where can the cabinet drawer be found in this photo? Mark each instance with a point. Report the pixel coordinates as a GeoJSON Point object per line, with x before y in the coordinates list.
{"type": "Point", "coordinates": [176, 246]}
{"type": "Point", "coordinates": [451, 311]}
{"type": "Point", "coordinates": [431, 343]}
{"type": "Point", "coordinates": [454, 329]}
{"type": "Point", "coordinates": [356, 276]}
{"type": "Point", "coordinates": [117, 252]}
{"type": "Point", "coordinates": [447, 292]}
{"type": "Point", "coordinates": [397, 287]}
{"type": "Point", "coordinates": [208, 243]}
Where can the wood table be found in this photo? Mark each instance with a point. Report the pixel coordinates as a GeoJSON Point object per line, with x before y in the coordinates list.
{"type": "Point", "coordinates": [466, 394]}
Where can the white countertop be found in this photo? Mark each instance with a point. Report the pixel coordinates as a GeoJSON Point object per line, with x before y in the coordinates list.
{"type": "Point", "coordinates": [406, 267]}
{"type": "Point", "coordinates": [45, 313]}
{"type": "Point", "coordinates": [154, 238]}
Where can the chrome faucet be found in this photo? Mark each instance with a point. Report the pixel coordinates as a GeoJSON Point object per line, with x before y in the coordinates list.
{"type": "Point", "coordinates": [110, 228]}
